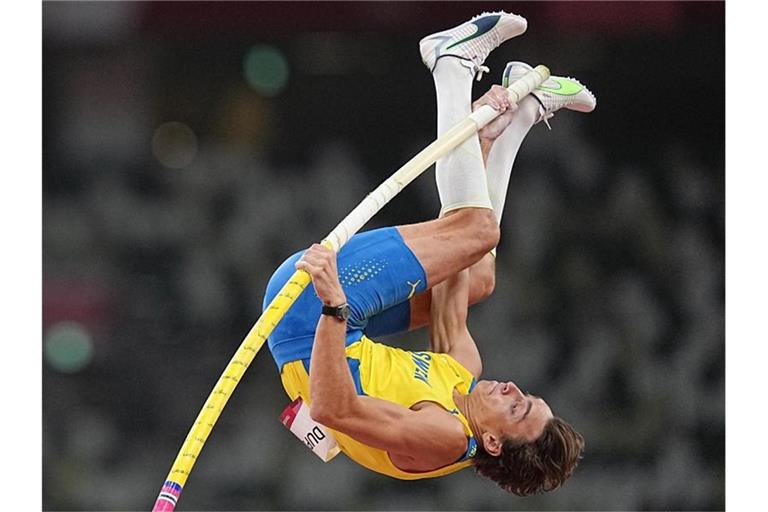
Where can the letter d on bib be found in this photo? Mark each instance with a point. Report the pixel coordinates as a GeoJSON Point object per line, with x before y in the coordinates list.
{"type": "Point", "coordinates": [312, 434]}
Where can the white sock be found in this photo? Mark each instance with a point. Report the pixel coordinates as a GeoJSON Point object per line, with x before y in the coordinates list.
{"type": "Point", "coordinates": [460, 175]}
{"type": "Point", "coordinates": [504, 150]}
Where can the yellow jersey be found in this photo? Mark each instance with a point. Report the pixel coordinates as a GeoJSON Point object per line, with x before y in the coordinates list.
{"type": "Point", "coordinates": [401, 377]}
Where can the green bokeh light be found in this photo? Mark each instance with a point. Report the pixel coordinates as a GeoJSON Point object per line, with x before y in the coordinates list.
{"type": "Point", "coordinates": [265, 70]}
{"type": "Point", "coordinates": [68, 347]}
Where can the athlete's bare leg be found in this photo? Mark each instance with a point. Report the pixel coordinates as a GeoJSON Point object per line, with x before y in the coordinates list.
{"type": "Point", "coordinates": [482, 277]}
{"type": "Point", "coordinates": [452, 243]}
{"type": "Point", "coordinates": [508, 129]}
{"type": "Point", "coordinates": [467, 228]}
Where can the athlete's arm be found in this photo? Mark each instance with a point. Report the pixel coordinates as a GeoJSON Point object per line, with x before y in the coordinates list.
{"type": "Point", "coordinates": [428, 437]}
{"type": "Point", "coordinates": [330, 383]}
{"type": "Point", "coordinates": [335, 402]}
{"type": "Point", "coordinates": [448, 323]}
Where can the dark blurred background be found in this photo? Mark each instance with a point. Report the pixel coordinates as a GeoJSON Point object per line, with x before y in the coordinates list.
{"type": "Point", "coordinates": [190, 147]}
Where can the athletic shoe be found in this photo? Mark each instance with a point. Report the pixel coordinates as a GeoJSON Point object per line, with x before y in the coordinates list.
{"type": "Point", "coordinates": [472, 41]}
{"type": "Point", "coordinates": [555, 93]}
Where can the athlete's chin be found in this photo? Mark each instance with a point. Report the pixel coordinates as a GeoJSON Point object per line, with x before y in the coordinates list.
{"type": "Point", "coordinates": [487, 386]}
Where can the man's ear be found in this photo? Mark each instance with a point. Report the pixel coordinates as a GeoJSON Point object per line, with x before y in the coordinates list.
{"type": "Point", "coordinates": [491, 444]}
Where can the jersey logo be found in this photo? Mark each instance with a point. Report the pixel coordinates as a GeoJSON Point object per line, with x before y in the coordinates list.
{"type": "Point", "coordinates": [413, 287]}
{"type": "Point", "coordinates": [422, 361]}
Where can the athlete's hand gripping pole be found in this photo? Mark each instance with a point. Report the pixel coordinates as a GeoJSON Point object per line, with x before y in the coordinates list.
{"type": "Point", "coordinates": [357, 218]}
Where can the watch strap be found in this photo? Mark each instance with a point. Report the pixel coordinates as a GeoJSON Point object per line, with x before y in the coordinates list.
{"type": "Point", "coordinates": [341, 311]}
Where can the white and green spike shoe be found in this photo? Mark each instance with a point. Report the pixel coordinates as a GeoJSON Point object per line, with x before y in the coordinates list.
{"type": "Point", "coordinates": [555, 93]}
{"type": "Point", "coordinates": [473, 40]}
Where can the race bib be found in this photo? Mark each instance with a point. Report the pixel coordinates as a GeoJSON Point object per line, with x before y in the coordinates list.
{"type": "Point", "coordinates": [315, 436]}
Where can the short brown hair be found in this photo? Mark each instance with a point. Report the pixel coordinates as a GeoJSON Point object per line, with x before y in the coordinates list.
{"type": "Point", "coordinates": [527, 468]}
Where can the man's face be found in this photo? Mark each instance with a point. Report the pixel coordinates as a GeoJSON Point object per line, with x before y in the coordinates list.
{"type": "Point", "coordinates": [508, 412]}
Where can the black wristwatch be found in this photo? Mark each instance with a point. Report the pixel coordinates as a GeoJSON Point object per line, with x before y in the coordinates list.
{"type": "Point", "coordinates": [341, 312]}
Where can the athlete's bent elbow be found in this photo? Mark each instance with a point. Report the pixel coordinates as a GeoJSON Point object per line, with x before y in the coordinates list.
{"type": "Point", "coordinates": [329, 415]}
{"type": "Point", "coordinates": [320, 414]}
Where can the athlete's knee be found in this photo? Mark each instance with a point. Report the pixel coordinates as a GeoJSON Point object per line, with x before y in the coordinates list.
{"type": "Point", "coordinates": [483, 279]}
{"type": "Point", "coordinates": [488, 285]}
{"type": "Point", "coordinates": [479, 229]}
{"type": "Point", "coordinates": [486, 279]}
{"type": "Point", "coordinates": [482, 228]}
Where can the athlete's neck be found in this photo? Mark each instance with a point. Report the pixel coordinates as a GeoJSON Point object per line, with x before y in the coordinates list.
{"type": "Point", "coordinates": [466, 405]}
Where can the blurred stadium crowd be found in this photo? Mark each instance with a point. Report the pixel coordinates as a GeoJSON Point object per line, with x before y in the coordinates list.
{"type": "Point", "coordinates": [187, 153]}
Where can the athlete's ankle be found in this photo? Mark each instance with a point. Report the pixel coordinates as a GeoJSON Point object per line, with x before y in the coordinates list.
{"type": "Point", "coordinates": [453, 69]}
{"type": "Point", "coordinates": [528, 110]}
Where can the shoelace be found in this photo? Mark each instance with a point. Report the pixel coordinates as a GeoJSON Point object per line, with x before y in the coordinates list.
{"type": "Point", "coordinates": [480, 70]}
{"type": "Point", "coordinates": [546, 116]}
{"type": "Point", "coordinates": [477, 70]}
